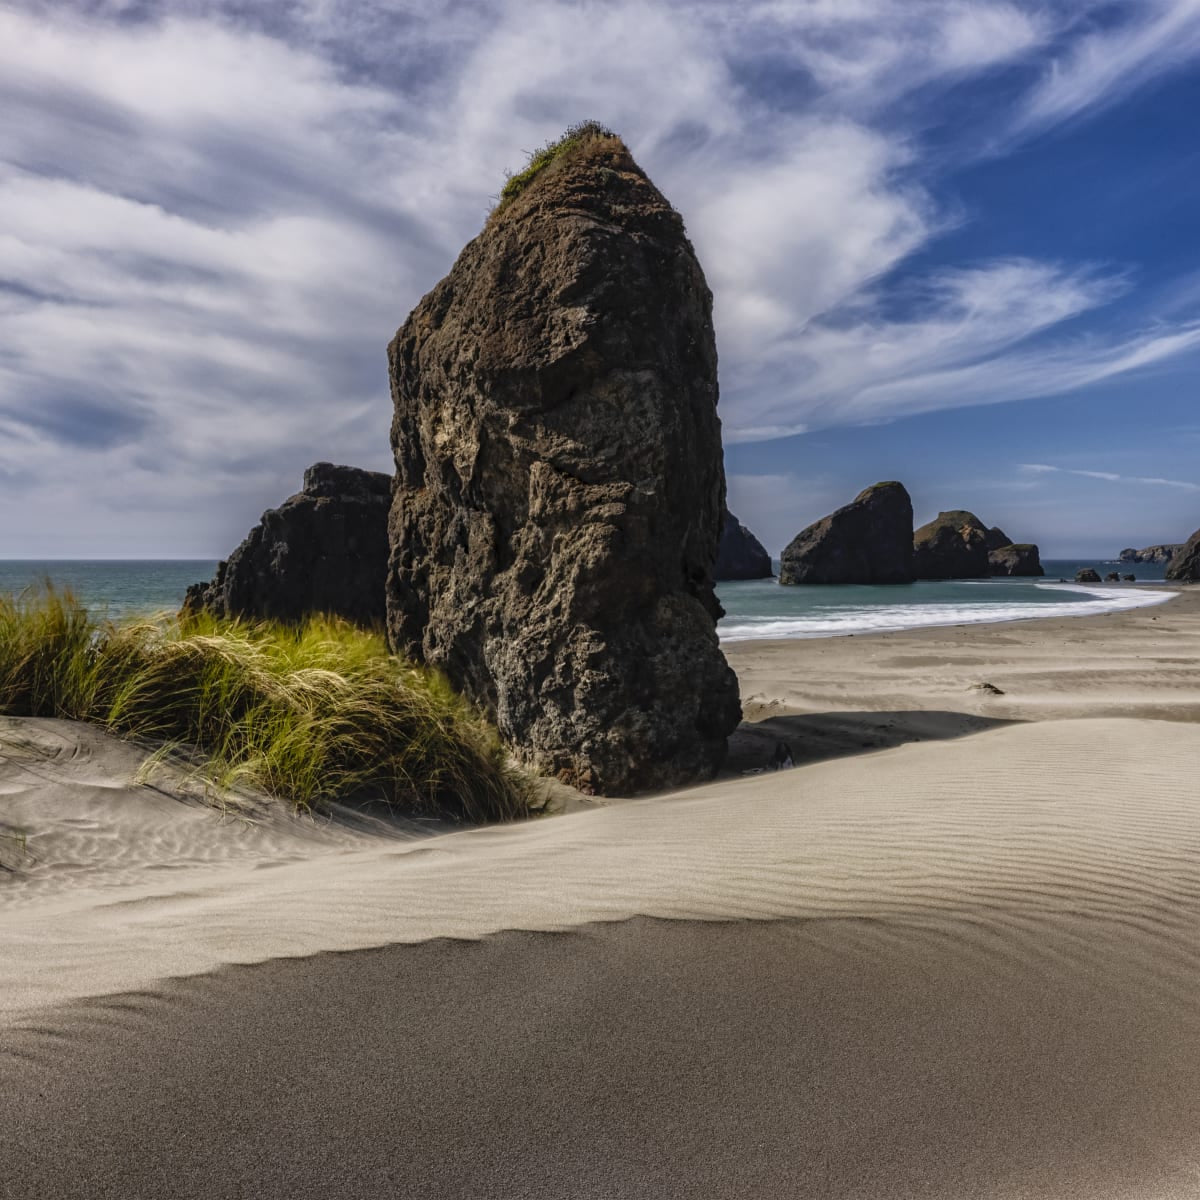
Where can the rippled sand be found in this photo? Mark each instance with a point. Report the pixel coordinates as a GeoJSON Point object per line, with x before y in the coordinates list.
{"type": "Point", "coordinates": [962, 960]}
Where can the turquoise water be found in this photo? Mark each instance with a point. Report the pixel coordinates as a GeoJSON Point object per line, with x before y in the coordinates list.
{"type": "Point", "coordinates": [762, 608]}
{"type": "Point", "coordinates": [758, 608]}
{"type": "Point", "coordinates": [116, 588]}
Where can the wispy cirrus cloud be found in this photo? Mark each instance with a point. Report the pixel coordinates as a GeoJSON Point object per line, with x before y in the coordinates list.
{"type": "Point", "coordinates": [1111, 476]}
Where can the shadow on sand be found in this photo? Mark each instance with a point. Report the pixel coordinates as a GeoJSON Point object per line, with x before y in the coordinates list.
{"type": "Point", "coordinates": [816, 737]}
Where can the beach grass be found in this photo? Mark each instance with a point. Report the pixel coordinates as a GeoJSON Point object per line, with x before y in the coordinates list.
{"type": "Point", "coordinates": [573, 137]}
{"type": "Point", "coordinates": [311, 713]}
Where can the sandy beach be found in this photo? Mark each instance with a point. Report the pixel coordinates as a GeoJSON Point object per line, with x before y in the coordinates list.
{"type": "Point", "coordinates": [952, 953]}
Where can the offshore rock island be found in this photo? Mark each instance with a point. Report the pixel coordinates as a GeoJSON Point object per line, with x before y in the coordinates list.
{"type": "Point", "coordinates": [559, 485]}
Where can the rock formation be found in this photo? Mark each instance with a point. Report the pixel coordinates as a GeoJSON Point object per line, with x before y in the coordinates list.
{"type": "Point", "coordinates": [1087, 575]}
{"type": "Point", "coordinates": [1113, 577]}
{"type": "Point", "coordinates": [1019, 558]}
{"type": "Point", "coordinates": [1152, 554]}
{"type": "Point", "coordinates": [954, 545]}
{"type": "Point", "coordinates": [866, 541]}
{"type": "Point", "coordinates": [1129, 579]}
{"type": "Point", "coordinates": [740, 555]}
{"type": "Point", "coordinates": [559, 484]}
{"type": "Point", "coordinates": [1184, 566]}
{"type": "Point", "coordinates": [324, 550]}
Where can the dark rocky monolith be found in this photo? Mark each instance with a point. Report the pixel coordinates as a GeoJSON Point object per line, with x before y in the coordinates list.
{"type": "Point", "coordinates": [559, 481]}
{"type": "Point", "coordinates": [740, 555]}
{"type": "Point", "coordinates": [1087, 575]}
{"type": "Point", "coordinates": [866, 541]}
{"type": "Point", "coordinates": [324, 550]}
{"type": "Point", "coordinates": [1184, 566]}
{"type": "Point", "coordinates": [1021, 558]}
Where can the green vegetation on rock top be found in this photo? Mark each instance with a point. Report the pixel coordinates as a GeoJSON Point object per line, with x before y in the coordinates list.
{"type": "Point", "coordinates": [539, 160]}
{"type": "Point", "coordinates": [311, 714]}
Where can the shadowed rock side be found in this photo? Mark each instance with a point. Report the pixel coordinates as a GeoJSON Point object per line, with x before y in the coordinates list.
{"type": "Point", "coordinates": [1184, 566]}
{"type": "Point", "coordinates": [866, 541]}
{"type": "Point", "coordinates": [740, 554]}
{"type": "Point", "coordinates": [954, 545]}
{"type": "Point", "coordinates": [559, 481]}
{"type": "Point", "coordinates": [324, 550]}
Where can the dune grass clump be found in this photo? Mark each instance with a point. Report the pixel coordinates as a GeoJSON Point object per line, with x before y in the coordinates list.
{"type": "Point", "coordinates": [539, 160]}
{"type": "Point", "coordinates": [312, 713]}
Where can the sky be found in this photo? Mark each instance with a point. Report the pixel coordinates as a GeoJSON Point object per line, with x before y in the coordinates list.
{"type": "Point", "coordinates": [951, 242]}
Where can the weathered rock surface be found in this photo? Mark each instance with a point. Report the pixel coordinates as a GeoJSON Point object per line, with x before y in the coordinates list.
{"type": "Point", "coordinates": [1021, 558]}
{"type": "Point", "coordinates": [954, 545]}
{"type": "Point", "coordinates": [740, 555]}
{"type": "Point", "coordinates": [559, 481]}
{"type": "Point", "coordinates": [1087, 575]}
{"type": "Point", "coordinates": [1184, 566]}
{"type": "Point", "coordinates": [1152, 554]}
{"type": "Point", "coordinates": [324, 550]}
{"type": "Point", "coordinates": [866, 541]}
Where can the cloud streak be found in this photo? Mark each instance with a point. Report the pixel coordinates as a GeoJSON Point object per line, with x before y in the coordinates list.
{"type": "Point", "coordinates": [1111, 476]}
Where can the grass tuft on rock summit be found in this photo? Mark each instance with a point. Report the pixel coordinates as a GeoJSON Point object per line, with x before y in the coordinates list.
{"type": "Point", "coordinates": [573, 137]}
{"type": "Point", "coordinates": [310, 713]}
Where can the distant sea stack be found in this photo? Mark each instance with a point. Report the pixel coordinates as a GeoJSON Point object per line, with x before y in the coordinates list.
{"type": "Point", "coordinates": [559, 483]}
{"type": "Point", "coordinates": [324, 550]}
{"type": "Point", "coordinates": [1152, 554]}
{"type": "Point", "coordinates": [957, 545]}
{"type": "Point", "coordinates": [867, 541]}
{"type": "Point", "coordinates": [1184, 566]}
{"type": "Point", "coordinates": [740, 555]}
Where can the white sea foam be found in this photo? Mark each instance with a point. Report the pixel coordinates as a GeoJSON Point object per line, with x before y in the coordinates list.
{"type": "Point", "coordinates": [885, 618]}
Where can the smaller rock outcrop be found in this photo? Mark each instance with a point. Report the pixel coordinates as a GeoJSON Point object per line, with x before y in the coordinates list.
{"type": "Point", "coordinates": [1113, 577]}
{"type": "Point", "coordinates": [954, 545]}
{"type": "Point", "coordinates": [1087, 575]}
{"type": "Point", "coordinates": [866, 541]}
{"type": "Point", "coordinates": [1152, 554]}
{"type": "Point", "coordinates": [1129, 579]}
{"type": "Point", "coordinates": [1184, 566]}
{"type": "Point", "coordinates": [1020, 558]}
{"type": "Point", "coordinates": [324, 550]}
{"type": "Point", "coordinates": [740, 555]}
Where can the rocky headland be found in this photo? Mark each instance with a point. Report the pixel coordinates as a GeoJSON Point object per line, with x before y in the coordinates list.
{"type": "Point", "coordinates": [1152, 554]}
{"type": "Point", "coordinates": [868, 540]}
{"type": "Point", "coordinates": [740, 555]}
{"type": "Point", "coordinates": [559, 482]}
{"type": "Point", "coordinates": [324, 550]}
{"type": "Point", "coordinates": [1184, 566]}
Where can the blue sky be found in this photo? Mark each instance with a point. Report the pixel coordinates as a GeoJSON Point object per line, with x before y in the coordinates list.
{"type": "Point", "coordinates": [952, 242]}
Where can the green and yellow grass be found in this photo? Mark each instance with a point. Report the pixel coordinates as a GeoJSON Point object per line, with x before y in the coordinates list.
{"type": "Point", "coordinates": [539, 160]}
{"type": "Point", "coordinates": [311, 714]}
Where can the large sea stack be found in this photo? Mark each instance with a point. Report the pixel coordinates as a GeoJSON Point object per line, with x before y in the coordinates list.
{"type": "Point", "coordinates": [740, 555]}
{"type": "Point", "coordinates": [1184, 565]}
{"type": "Point", "coordinates": [324, 550]}
{"type": "Point", "coordinates": [866, 541]}
{"type": "Point", "coordinates": [559, 483]}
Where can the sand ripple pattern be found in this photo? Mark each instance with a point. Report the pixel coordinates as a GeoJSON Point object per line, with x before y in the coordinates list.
{"type": "Point", "coordinates": [1064, 847]}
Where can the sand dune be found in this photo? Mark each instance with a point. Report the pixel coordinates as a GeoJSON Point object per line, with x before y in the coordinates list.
{"type": "Point", "coordinates": [964, 963]}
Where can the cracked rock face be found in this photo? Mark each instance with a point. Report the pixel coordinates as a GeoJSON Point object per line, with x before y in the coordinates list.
{"type": "Point", "coordinates": [324, 550]}
{"type": "Point", "coordinates": [1184, 565]}
{"type": "Point", "coordinates": [559, 483]}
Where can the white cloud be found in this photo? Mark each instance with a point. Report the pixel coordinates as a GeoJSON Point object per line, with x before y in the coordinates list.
{"type": "Point", "coordinates": [1111, 476]}
{"type": "Point", "coordinates": [213, 217]}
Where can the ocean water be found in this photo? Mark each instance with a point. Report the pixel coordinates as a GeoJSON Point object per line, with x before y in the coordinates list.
{"type": "Point", "coordinates": [762, 608]}
{"type": "Point", "coordinates": [111, 587]}
{"type": "Point", "coordinates": [758, 608]}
